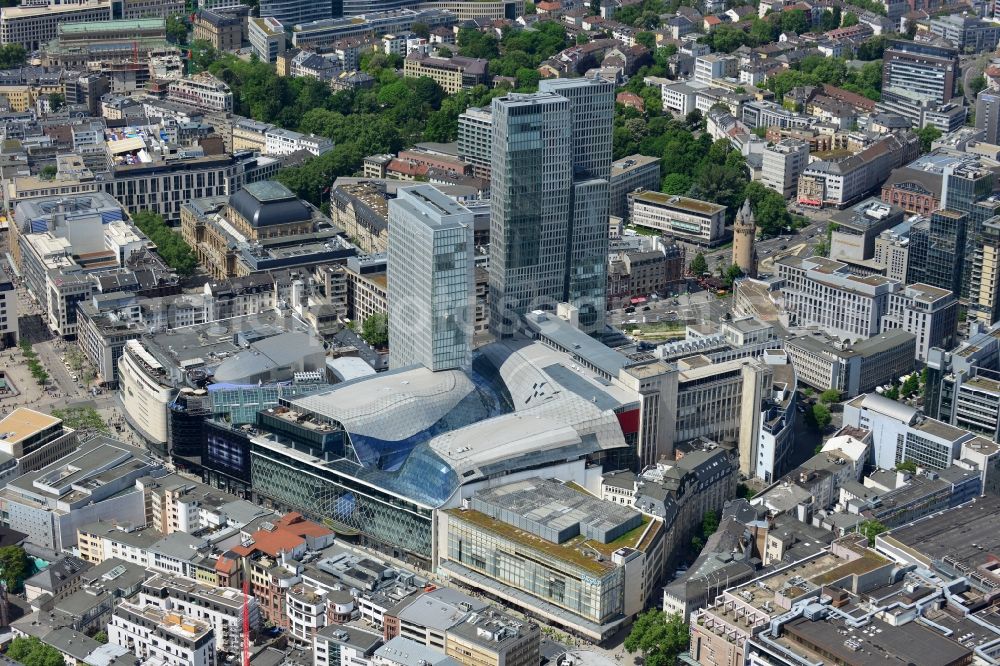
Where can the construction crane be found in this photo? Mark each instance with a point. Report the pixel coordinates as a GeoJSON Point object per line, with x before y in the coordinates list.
{"type": "Point", "coordinates": [246, 621]}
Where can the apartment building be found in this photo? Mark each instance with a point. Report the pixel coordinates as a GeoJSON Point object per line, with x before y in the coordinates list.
{"type": "Point", "coordinates": [221, 608]}
{"type": "Point", "coordinates": [162, 636]}
{"type": "Point", "coordinates": [279, 141]}
{"type": "Point", "coordinates": [203, 91]}
{"type": "Point", "coordinates": [249, 134]}
{"type": "Point", "coordinates": [713, 66]}
{"type": "Point", "coordinates": [839, 183]}
{"type": "Point", "coordinates": [692, 220]}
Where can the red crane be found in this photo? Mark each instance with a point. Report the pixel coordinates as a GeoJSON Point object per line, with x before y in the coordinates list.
{"type": "Point", "coordinates": [246, 621]}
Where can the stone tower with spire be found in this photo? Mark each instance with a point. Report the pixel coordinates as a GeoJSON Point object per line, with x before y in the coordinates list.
{"type": "Point", "coordinates": [744, 235]}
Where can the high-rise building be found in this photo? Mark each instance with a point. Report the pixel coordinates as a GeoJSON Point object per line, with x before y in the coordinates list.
{"type": "Point", "coordinates": [430, 280]}
{"type": "Point", "coordinates": [530, 205]}
{"type": "Point", "coordinates": [920, 69]}
{"type": "Point", "coordinates": [551, 165]}
{"type": "Point", "coordinates": [984, 279]}
{"type": "Point", "coordinates": [744, 235]}
{"type": "Point", "coordinates": [475, 139]}
{"type": "Point", "coordinates": [988, 115]}
{"type": "Point", "coordinates": [593, 107]}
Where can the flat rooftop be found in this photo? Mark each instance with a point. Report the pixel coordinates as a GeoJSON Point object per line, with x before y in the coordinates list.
{"type": "Point", "coordinates": [23, 423]}
{"type": "Point", "coordinates": [679, 203]}
{"type": "Point", "coordinates": [874, 644]}
{"type": "Point", "coordinates": [969, 534]}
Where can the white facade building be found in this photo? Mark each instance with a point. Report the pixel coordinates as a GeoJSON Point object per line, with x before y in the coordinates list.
{"type": "Point", "coordinates": [783, 163]}
{"type": "Point", "coordinates": [158, 636]}
{"type": "Point", "coordinates": [285, 142]}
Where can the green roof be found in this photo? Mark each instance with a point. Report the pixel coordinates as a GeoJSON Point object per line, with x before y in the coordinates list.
{"type": "Point", "coordinates": [104, 26]}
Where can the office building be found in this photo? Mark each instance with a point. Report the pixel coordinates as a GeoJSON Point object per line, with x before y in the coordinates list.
{"type": "Point", "coordinates": [968, 34]}
{"type": "Point", "coordinates": [713, 66]}
{"type": "Point", "coordinates": [901, 433]}
{"type": "Point", "coordinates": [592, 109]}
{"type": "Point", "coordinates": [475, 138]}
{"type": "Point", "coordinates": [452, 74]}
{"type": "Point", "coordinates": [534, 521]}
{"type": "Point", "coordinates": [926, 70]}
{"type": "Point", "coordinates": [783, 163]}
{"type": "Point", "coordinates": [32, 440]}
{"type": "Point", "coordinates": [9, 331]}
{"type": "Point", "coordinates": [929, 313]}
{"type": "Point", "coordinates": [464, 628]}
{"type": "Point", "coordinates": [634, 172]}
{"type": "Point", "coordinates": [853, 238]}
{"type": "Point", "coordinates": [988, 115]}
{"type": "Point", "coordinates": [223, 29]}
{"type": "Point", "coordinates": [267, 37]}
{"type": "Point", "coordinates": [894, 247]}
{"type": "Point", "coordinates": [824, 363]}
{"type": "Point", "coordinates": [430, 280]}
{"type": "Point", "coordinates": [34, 25]}
{"type": "Point", "coordinates": [295, 12]}
{"type": "Point", "coordinates": [823, 292]}
{"type": "Point", "coordinates": [95, 481]}
{"type": "Point", "coordinates": [530, 205]}
{"type": "Point", "coordinates": [691, 220]}
{"type": "Point", "coordinates": [369, 25]}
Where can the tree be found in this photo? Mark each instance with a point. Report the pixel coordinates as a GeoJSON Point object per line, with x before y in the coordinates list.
{"type": "Point", "coordinates": [709, 523]}
{"type": "Point", "coordinates": [976, 85]}
{"type": "Point", "coordinates": [12, 55]}
{"type": "Point", "coordinates": [48, 172]}
{"type": "Point", "coordinates": [821, 415]}
{"type": "Point", "coordinates": [444, 52]}
{"type": "Point", "coordinates": [169, 244]}
{"type": "Point", "coordinates": [57, 101]}
{"type": "Point", "coordinates": [850, 19]}
{"type": "Point", "coordinates": [421, 29]}
{"type": "Point", "coordinates": [928, 135]}
{"type": "Point", "coordinates": [907, 466]}
{"type": "Point", "coordinates": [769, 208]}
{"type": "Point", "coordinates": [529, 8]}
{"type": "Point", "coordinates": [14, 566]}
{"type": "Point", "coordinates": [829, 396]}
{"type": "Point", "coordinates": [84, 419]}
{"type": "Point", "coordinates": [698, 265]}
{"type": "Point", "coordinates": [647, 39]}
{"type": "Point", "coordinates": [659, 637]}
{"type": "Point", "coordinates": [177, 29]}
{"type": "Point", "coordinates": [375, 330]}
{"type": "Point", "coordinates": [101, 637]}
{"type": "Point", "coordinates": [871, 529]}
{"type": "Point", "coordinates": [32, 652]}
{"type": "Point", "coordinates": [595, 7]}
{"type": "Point", "coordinates": [733, 273]}
{"type": "Point", "coordinates": [910, 386]}
{"type": "Point", "coordinates": [582, 39]}
{"type": "Point", "coordinates": [675, 183]}
{"type": "Point", "coordinates": [795, 21]}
